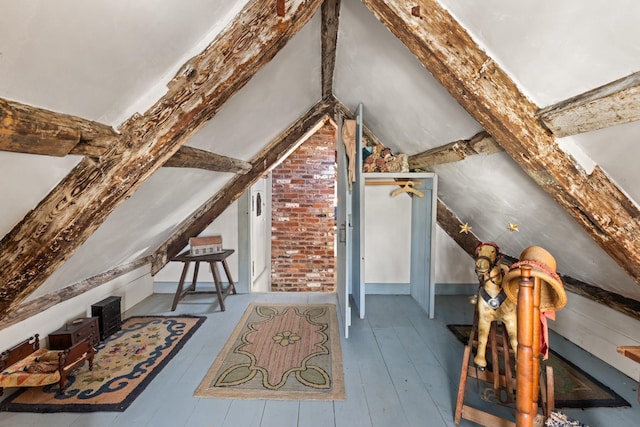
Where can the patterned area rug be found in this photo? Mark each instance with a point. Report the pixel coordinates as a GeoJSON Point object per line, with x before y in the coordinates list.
{"type": "Point", "coordinates": [574, 388]}
{"type": "Point", "coordinates": [280, 351]}
{"type": "Point", "coordinates": [125, 363]}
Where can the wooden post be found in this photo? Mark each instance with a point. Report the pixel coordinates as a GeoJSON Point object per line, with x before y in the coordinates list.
{"type": "Point", "coordinates": [535, 323]}
{"type": "Point", "coordinates": [526, 411]}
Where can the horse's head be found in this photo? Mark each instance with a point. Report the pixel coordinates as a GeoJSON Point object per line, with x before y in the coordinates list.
{"type": "Point", "coordinates": [494, 276]}
{"type": "Point", "coordinates": [487, 256]}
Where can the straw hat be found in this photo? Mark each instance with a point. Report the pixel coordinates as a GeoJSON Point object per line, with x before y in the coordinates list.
{"type": "Point", "coordinates": [543, 266]}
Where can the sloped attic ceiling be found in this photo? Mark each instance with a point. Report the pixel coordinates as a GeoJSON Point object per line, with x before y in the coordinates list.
{"type": "Point", "coordinates": [128, 53]}
{"type": "Point", "coordinates": [239, 130]}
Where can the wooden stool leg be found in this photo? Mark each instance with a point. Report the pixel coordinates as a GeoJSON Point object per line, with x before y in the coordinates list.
{"type": "Point", "coordinates": [195, 277]}
{"type": "Point", "coordinates": [216, 280]}
{"type": "Point", "coordinates": [176, 298]}
{"type": "Point", "coordinates": [226, 271]}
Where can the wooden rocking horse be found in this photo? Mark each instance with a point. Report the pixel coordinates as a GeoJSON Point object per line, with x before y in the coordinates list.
{"type": "Point", "coordinates": [534, 287]}
{"type": "Point", "coordinates": [492, 302]}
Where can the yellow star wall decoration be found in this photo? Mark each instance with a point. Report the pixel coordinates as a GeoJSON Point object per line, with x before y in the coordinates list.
{"type": "Point", "coordinates": [465, 228]}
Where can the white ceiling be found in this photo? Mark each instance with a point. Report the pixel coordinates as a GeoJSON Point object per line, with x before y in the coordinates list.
{"type": "Point", "coordinates": [555, 50]}
{"type": "Point", "coordinates": [104, 60]}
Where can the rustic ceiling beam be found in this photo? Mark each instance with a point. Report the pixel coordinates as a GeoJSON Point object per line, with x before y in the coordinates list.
{"type": "Point", "coordinates": [37, 305]}
{"type": "Point", "coordinates": [487, 93]}
{"type": "Point", "coordinates": [270, 156]}
{"type": "Point", "coordinates": [451, 225]}
{"type": "Point", "coordinates": [190, 157]}
{"type": "Point", "coordinates": [480, 143]}
{"type": "Point", "coordinates": [329, 39]}
{"type": "Point", "coordinates": [27, 129]}
{"type": "Point", "coordinates": [617, 302]}
{"type": "Point", "coordinates": [73, 210]}
{"type": "Point", "coordinates": [608, 105]}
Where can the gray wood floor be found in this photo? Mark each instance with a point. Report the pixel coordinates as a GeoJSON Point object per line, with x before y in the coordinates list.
{"type": "Point", "coordinates": [401, 369]}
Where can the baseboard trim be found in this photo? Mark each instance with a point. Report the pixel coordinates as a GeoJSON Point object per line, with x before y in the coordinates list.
{"type": "Point", "coordinates": [370, 288]}
{"type": "Point", "coordinates": [405, 288]}
{"type": "Point", "coordinates": [456, 288]}
{"type": "Point", "coordinates": [387, 288]}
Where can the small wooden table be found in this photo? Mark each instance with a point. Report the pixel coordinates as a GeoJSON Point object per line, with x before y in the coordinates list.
{"type": "Point", "coordinates": [633, 353]}
{"type": "Point", "coordinates": [213, 260]}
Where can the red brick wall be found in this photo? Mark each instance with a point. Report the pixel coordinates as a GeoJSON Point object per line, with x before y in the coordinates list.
{"type": "Point", "coordinates": [302, 233]}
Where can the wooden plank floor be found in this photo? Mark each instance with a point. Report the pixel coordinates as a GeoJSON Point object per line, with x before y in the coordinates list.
{"type": "Point", "coordinates": [401, 369]}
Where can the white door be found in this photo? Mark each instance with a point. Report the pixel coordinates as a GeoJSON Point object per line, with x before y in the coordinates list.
{"type": "Point", "coordinates": [343, 235]}
{"type": "Point", "coordinates": [258, 223]}
{"type": "Point", "coordinates": [357, 223]}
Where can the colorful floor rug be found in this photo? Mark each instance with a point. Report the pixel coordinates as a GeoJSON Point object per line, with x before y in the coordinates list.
{"type": "Point", "coordinates": [282, 352]}
{"type": "Point", "coordinates": [574, 388]}
{"type": "Point", "coordinates": [124, 364]}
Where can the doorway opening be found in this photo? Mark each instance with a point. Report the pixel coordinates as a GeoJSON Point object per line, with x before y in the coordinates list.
{"type": "Point", "coordinates": [303, 226]}
{"type": "Point", "coordinates": [286, 223]}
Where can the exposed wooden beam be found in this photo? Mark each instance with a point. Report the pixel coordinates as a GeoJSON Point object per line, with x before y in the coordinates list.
{"type": "Point", "coordinates": [73, 210]}
{"type": "Point", "coordinates": [27, 129]}
{"type": "Point", "coordinates": [619, 303]}
{"type": "Point", "coordinates": [480, 143]}
{"type": "Point", "coordinates": [190, 157]}
{"type": "Point", "coordinates": [21, 130]}
{"type": "Point", "coordinates": [329, 39]}
{"type": "Point", "coordinates": [611, 104]}
{"type": "Point", "coordinates": [94, 148]}
{"type": "Point", "coordinates": [487, 93]}
{"type": "Point", "coordinates": [40, 304]}
{"type": "Point", "coordinates": [262, 163]}
{"type": "Point", "coordinates": [451, 224]}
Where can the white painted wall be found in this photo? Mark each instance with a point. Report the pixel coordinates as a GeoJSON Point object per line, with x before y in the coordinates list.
{"type": "Point", "coordinates": [387, 236]}
{"type": "Point", "coordinates": [129, 51]}
{"type": "Point", "coordinates": [453, 264]}
{"type": "Point", "coordinates": [37, 176]}
{"type": "Point", "coordinates": [387, 244]}
{"type": "Point", "coordinates": [599, 330]}
{"type": "Point", "coordinates": [226, 224]}
{"type": "Point", "coordinates": [555, 50]}
{"type": "Point", "coordinates": [133, 287]}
